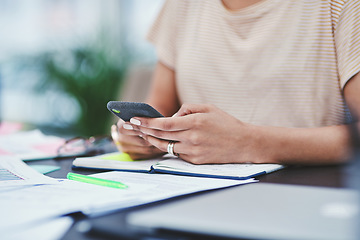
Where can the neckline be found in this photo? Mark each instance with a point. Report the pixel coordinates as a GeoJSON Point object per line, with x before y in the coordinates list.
{"type": "Point", "coordinates": [249, 11]}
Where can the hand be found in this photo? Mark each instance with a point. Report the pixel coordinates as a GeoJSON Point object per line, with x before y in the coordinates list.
{"type": "Point", "coordinates": [129, 140]}
{"type": "Point", "coordinates": [203, 134]}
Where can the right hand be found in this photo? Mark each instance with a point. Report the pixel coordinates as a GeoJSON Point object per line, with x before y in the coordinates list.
{"type": "Point", "coordinates": [128, 140]}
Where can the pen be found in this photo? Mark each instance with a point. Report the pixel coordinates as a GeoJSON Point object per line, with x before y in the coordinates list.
{"type": "Point", "coordinates": [96, 181]}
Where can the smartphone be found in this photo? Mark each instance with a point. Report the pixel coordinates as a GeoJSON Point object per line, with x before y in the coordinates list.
{"type": "Point", "coordinates": [127, 110]}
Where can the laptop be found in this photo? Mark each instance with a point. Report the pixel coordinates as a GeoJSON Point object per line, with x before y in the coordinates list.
{"type": "Point", "coordinates": [257, 211]}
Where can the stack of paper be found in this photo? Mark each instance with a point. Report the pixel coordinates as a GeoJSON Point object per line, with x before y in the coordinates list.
{"type": "Point", "coordinates": [30, 145]}
{"type": "Point", "coordinates": [27, 197]}
{"type": "Point", "coordinates": [15, 173]}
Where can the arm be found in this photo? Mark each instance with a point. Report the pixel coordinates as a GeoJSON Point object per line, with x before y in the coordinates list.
{"type": "Point", "coordinates": [205, 134]}
{"type": "Point", "coordinates": [164, 98]}
{"type": "Point", "coordinates": [163, 94]}
{"type": "Point", "coordinates": [323, 145]}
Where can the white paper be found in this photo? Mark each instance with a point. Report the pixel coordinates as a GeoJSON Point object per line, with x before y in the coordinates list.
{"type": "Point", "coordinates": [31, 204]}
{"type": "Point", "coordinates": [231, 169]}
{"type": "Point", "coordinates": [176, 165]}
{"type": "Point", "coordinates": [30, 145]}
{"type": "Point", "coordinates": [53, 229]}
{"type": "Point", "coordinates": [14, 172]}
{"type": "Point", "coordinates": [146, 188]}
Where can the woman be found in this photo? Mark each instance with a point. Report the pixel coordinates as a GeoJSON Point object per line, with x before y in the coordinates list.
{"type": "Point", "coordinates": [256, 81]}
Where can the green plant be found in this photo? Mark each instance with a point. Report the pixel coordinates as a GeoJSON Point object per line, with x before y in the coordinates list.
{"type": "Point", "coordinates": [92, 76]}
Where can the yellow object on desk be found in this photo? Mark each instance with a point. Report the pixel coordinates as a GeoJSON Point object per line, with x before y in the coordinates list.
{"type": "Point", "coordinates": [124, 157]}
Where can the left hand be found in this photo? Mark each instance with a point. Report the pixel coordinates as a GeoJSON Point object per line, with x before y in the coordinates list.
{"type": "Point", "coordinates": [203, 134]}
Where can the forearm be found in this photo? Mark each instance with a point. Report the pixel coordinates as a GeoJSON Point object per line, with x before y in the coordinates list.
{"type": "Point", "coordinates": [323, 145]}
{"type": "Point", "coordinates": [163, 94]}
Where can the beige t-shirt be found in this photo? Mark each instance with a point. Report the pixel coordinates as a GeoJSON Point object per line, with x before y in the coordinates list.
{"type": "Point", "coordinates": [278, 63]}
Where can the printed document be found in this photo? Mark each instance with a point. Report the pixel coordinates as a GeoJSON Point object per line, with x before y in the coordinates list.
{"type": "Point", "coordinates": [14, 172]}
{"type": "Point", "coordinates": [47, 201]}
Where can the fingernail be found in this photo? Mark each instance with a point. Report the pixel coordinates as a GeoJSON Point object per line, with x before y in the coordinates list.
{"type": "Point", "coordinates": [114, 132]}
{"type": "Point", "coordinates": [135, 121]}
{"type": "Point", "coordinates": [127, 126]}
{"type": "Point", "coordinates": [113, 128]}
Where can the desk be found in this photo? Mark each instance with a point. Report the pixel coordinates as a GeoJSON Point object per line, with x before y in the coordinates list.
{"type": "Point", "coordinates": [328, 176]}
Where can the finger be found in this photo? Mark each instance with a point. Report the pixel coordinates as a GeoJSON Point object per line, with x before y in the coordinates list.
{"type": "Point", "coordinates": [133, 140]}
{"type": "Point", "coordinates": [185, 118]}
{"type": "Point", "coordinates": [115, 136]}
{"type": "Point", "coordinates": [119, 123]}
{"type": "Point", "coordinates": [163, 144]}
{"type": "Point", "coordinates": [142, 150]}
{"type": "Point", "coordinates": [124, 136]}
{"type": "Point", "coordinates": [129, 129]}
{"type": "Point", "coordinates": [121, 139]}
{"type": "Point", "coordinates": [187, 109]}
{"type": "Point", "coordinates": [126, 128]}
{"type": "Point", "coordinates": [179, 148]}
{"type": "Point", "coordinates": [164, 124]}
{"type": "Point", "coordinates": [165, 135]}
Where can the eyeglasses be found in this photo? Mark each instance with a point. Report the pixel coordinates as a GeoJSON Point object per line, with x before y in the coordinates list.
{"type": "Point", "coordinates": [79, 146]}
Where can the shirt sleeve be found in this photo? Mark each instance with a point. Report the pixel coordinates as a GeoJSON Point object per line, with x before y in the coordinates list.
{"type": "Point", "coordinates": [347, 40]}
{"type": "Point", "coordinates": [162, 34]}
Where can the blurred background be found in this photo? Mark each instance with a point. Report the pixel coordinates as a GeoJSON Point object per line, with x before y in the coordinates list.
{"type": "Point", "coordinates": [61, 61]}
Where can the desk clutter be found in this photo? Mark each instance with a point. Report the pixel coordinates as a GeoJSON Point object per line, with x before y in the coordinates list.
{"type": "Point", "coordinates": [34, 205]}
{"type": "Point", "coordinates": [28, 197]}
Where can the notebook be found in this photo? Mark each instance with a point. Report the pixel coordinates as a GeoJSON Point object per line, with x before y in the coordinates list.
{"type": "Point", "coordinates": [256, 211]}
{"type": "Point", "coordinates": [171, 165]}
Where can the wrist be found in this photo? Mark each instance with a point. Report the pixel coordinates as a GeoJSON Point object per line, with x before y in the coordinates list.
{"type": "Point", "coordinates": [254, 144]}
{"type": "Point", "coordinates": [261, 144]}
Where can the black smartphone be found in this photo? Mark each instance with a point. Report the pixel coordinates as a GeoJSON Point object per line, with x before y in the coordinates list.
{"type": "Point", "coordinates": [127, 110]}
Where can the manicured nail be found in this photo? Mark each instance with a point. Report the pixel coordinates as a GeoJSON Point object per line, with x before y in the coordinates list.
{"type": "Point", "coordinates": [128, 126]}
{"type": "Point", "coordinates": [135, 121]}
{"type": "Point", "coordinates": [115, 135]}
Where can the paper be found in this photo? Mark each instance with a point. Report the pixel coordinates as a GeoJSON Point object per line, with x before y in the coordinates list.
{"type": "Point", "coordinates": [9, 127]}
{"type": "Point", "coordinates": [171, 165]}
{"type": "Point", "coordinates": [152, 187]}
{"type": "Point", "coordinates": [231, 170]}
{"type": "Point", "coordinates": [41, 202]}
{"type": "Point", "coordinates": [30, 145]}
{"type": "Point", "coordinates": [14, 172]}
{"type": "Point", "coordinates": [51, 229]}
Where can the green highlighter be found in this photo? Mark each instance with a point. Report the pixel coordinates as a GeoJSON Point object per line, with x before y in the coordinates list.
{"type": "Point", "coordinates": [96, 181]}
